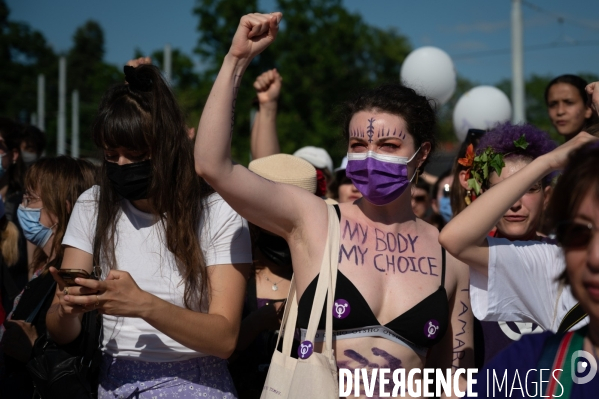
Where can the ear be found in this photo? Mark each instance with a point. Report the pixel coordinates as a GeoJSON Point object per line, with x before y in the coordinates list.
{"type": "Point", "coordinates": [547, 191]}
{"type": "Point", "coordinates": [425, 149]}
{"type": "Point", "coordinates": [588, 112]}
{"type": "Point", "coordinates": [463, 180]}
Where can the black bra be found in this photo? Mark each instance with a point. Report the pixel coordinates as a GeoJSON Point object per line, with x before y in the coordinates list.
{"type": "Point", "coordinates": [420, 327]}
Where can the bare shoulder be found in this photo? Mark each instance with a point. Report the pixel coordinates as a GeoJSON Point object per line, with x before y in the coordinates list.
{"type": "Point", "coordinates": [458, 274]}
{"type": "Point", "coordinates": [428, 230]}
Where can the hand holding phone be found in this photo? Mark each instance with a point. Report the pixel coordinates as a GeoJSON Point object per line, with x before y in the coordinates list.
{"type": "Point", "coordinates": [69, 275]}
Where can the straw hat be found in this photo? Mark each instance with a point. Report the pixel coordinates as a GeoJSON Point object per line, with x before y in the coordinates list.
{"type": "Point", "coordinates": [285, 168]}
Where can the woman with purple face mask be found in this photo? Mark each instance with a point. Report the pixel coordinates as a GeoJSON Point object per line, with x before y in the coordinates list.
{"type": "Point", "coordinates": [393, 274]}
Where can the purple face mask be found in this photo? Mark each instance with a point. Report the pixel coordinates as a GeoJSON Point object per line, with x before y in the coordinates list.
{"type": "Point", "coordinates": [380, 178]}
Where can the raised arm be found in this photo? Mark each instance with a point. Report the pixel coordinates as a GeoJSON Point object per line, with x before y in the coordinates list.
{"type": "Point", "coordinates": [264, 132]}
{"type": "Point", "coordinates": [465, 235]}
{"type": "Point", "coordinates": [275, 207]}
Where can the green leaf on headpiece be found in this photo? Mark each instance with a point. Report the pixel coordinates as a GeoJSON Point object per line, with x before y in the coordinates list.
{"type": "Point", "coordinates": [521, 142]}
{"type": "Point", "coordinates": [473, 185]}
{"type": "Point", "coordinates": [497, 163]}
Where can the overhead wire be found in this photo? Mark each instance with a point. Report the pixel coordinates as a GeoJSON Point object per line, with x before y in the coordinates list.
{"type": "Point", "coordinates": [560, 18]}
{"type": "Point", "coordinates": [486, 53]}
{"type": "Point", "coordinates": [556, 44]}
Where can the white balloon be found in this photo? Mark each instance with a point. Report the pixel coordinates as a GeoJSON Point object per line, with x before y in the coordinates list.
{"type": "Point", "coordinates": [430, 72]}
{"type": "Point", "coordinates": [482, 107]}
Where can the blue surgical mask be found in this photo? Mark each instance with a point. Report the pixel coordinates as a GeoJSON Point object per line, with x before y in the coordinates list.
{"type": "Point", "coordinates": [34, 231]}
{"type": "Point", "coordinates": [445, 209]}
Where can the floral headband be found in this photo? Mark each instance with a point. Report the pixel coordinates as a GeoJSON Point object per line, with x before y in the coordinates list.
{"type": "Point", "coordinates": [479, 166]}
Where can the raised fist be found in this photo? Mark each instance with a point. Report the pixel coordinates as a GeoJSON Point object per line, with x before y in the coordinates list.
{"type": "Point", "coordinates": [139, 61]}
{"type": "Point", "coordinates": [254, 34]}
{"type": "Point", "coordinates": [268, 86]}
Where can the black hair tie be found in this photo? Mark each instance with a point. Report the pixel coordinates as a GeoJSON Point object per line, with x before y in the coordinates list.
{"type": "Point", "coordinates": [137, 79]}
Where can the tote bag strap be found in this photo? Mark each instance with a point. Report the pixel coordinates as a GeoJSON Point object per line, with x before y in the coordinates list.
{"type": "Point", "coordinates": [325, 284]}
{"type": "Point", "coordinates": [334, 233]}
{"type": "Point", "coordinates": [289, 319]}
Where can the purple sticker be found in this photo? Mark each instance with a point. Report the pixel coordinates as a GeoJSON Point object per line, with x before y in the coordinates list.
{"type": "Point", "coordinates": [431, 328]}
{"type": "Point", "coordinates": [341, 309]}
{"type": "Point", "coordinates": [305, 349]}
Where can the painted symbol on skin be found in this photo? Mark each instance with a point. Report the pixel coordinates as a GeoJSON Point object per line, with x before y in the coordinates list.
{"type": "Point", "coordinates": [342, 309]}
{"type": "Point", "coordinates": [357, 133]}
{"type": "Point", "coordinates": [431, 328]}
{"type": "Point", "coordinates": [382, 133]}
{"type": "Point", "coordinates": [370, 130]}
{"type": "Point", "coordinates": [305, 350]}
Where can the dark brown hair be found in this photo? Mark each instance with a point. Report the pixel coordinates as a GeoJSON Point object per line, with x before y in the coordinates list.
{"type": "Point", "coordinates": [580, 85]}
{"type": "Point", "coordinates": [58, 182]}
{"type": "Point", "coordinates": [579, 179]}
{"type": "Point", "coordinates": [396, 99]}
{"type": "Point", "coordinates": [149, 119]}
{"type": "Point", "coordinates": [594, 130]}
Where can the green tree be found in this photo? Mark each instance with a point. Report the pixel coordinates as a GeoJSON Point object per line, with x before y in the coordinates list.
{"type": "Point", "coordinates": [185, 82]}
{"type": "Point", "coordinates": [24, 53]}
{"type": "Point", "coordinates": [91, 76]}
{"type": "Point", "coordinates": [445, 112]}
{"type": "Point", "coordinates": [324, 53]}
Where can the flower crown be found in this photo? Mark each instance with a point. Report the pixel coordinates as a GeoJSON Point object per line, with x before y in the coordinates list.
{"type": "Point", "coordinates": [479, 166]}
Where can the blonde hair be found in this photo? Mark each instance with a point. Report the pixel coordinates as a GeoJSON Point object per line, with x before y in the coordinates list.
{"type": "Point", "coordinates": [9, 244]}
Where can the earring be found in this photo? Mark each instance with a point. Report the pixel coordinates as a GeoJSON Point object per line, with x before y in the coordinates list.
{"type": "Point", "coordinates": [467, 198]}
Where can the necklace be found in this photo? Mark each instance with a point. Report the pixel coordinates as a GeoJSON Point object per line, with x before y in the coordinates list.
{"type": "Point", "coordinates": [274, 287]}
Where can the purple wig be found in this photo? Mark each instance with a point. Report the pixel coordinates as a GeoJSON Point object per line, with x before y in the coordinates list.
{"type": "Point", "coordinates": [501, 140]}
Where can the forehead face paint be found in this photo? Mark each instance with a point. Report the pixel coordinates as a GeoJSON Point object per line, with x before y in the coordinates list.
{"type": "Point", "coordinates": [370, 129]}
{"type": "Point", "coordinates": [359, 132]}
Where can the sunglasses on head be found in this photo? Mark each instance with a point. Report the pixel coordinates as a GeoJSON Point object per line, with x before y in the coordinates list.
{"type": "Point", "coordinates": [572, 234]}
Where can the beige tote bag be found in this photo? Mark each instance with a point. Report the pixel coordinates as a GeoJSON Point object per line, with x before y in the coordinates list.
{"type": "Point", "coordinates": [312, 374]}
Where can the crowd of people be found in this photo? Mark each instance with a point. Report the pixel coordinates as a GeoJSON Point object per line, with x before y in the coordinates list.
{"type": "Point", "coordinates": [184, 258]}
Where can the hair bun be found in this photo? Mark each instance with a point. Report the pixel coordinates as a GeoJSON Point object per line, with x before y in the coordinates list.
{"type": "Point", "coordinates": [137, 79]}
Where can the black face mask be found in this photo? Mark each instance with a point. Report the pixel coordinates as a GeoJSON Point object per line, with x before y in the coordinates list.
{"type": "Point", "coordinates": [131, 181]}
{"type": "Point", "coordinates": [275, 249]}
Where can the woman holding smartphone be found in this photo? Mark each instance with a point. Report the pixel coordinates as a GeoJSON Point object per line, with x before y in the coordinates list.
{"type": "Point", "coordinates": [174, 257]}
{"type": "Point", "coordinates": [52, 185]}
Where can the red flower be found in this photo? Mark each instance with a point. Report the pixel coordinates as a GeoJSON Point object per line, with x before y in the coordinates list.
{"type": "Point", "coordinates": [469, 159]}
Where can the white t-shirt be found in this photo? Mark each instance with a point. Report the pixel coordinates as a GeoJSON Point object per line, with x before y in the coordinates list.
{"type": "Point", "coordinates": [522, 284]}
{"type": "Point", "coordinates": [224, 239]}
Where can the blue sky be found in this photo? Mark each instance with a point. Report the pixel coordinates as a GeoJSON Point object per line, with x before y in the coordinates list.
{"type": "Point", "coordinates": [463, 28]}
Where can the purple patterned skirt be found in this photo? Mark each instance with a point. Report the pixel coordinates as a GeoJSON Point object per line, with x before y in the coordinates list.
{"type": "Point", "coordinates": [202, 377]}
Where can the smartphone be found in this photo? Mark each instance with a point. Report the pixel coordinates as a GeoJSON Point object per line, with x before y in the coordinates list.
{"type": "Point", "coordinates": [69, 275]}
